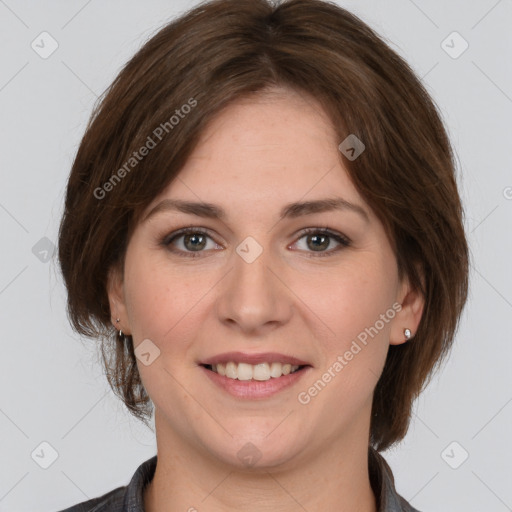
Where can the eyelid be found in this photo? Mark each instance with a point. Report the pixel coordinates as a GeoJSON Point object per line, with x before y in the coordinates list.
{"type": "Point", "coordinates": [340, 238]}
{"type": "Point", "coordinates": [166, 240]}
{"type": "Point", "coordinates": [324, 230]}
{"type": "Point", "coordinates": [343, 240]}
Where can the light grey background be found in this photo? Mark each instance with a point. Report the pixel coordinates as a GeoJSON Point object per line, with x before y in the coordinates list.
{"type": "Point", "coordinates": [51, 385]}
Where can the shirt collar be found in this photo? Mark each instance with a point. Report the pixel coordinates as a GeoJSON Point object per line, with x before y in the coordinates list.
{"type": "Point", "coordinates": [383, 485]}
{"type": "Point", "coordinates": [134, 496]}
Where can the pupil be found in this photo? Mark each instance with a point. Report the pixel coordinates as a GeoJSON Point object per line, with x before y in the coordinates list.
{"type": "Point", "coordinates": [194, 237]}
{"type": "Point", "coordinates": [321, 245]}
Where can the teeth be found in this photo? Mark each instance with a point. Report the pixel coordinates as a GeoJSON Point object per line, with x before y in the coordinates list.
{"type": "Point", "coordinates": [231, 370]}
{"type": "Point", "coordinates": [244, 371]}
{"type": "Point", "coordinates": [276, 370]}
{"type": "Point", "coordinates": [221, 369]}
{"type": "Point", "coordinates": [262, 371]}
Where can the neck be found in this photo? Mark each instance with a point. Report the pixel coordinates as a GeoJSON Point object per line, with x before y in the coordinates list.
{"type": "Point", "coordinates": [189, 479]}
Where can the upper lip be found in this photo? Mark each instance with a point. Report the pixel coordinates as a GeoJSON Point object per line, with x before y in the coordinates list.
{"type": "Point", "coordinates": [263, 357]}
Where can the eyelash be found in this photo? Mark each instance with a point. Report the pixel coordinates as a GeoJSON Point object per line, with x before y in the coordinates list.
{"type": "Point", "coordinates": [341, 239]}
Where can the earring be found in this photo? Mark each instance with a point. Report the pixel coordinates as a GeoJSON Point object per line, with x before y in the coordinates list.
{"type": "Point", "coordinates": [120, 334]}
{"type": "Point", "coordinates": [407, 334]}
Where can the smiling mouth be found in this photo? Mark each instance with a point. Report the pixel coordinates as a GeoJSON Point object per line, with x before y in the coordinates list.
{"type": "Point", "coordinates": [258, 372]}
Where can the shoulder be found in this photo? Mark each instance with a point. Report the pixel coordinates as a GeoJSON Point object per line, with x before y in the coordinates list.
{"type": "Point", "coordinates": [122, 499]}
{"type": "Point", "coordinates": [112, 501]}
{"type": "Point", "coordinates": [383, 485]}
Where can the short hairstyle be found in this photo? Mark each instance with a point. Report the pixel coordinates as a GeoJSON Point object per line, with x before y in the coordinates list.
{"type": "Point", "coordinates": [225, 50]}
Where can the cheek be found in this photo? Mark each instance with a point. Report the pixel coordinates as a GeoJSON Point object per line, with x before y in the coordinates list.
{"type": "Point", "coordinates": [355, 303]}
{"type": "Point", "coordinates": [352, 338]}
{"type": "Point", "coordinates": [161, 300]}
{"type": "Point", "coordinates": [150, 299]}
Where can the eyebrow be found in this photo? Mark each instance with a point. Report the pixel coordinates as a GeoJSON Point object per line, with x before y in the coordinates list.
{"type": "Point", "coordinates": [290, 211]}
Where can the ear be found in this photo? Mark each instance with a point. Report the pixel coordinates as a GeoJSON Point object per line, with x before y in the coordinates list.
{"type": "Point", "coordinates": [408, 317]}
{"type": "Point", "coordinates": [115, 291]}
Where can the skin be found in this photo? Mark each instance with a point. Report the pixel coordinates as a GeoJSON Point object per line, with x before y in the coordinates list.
{"type": "Point", "coordinates": [258, 155]}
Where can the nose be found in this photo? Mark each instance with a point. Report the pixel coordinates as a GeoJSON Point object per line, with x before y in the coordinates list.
{"type": "Point", "coordinates": [253, 297]}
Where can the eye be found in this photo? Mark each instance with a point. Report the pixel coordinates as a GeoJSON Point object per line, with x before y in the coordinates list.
{"type": "Point", "coordinates": [194, 241]}
{"type": "Point", "coordinates": [320, 239]}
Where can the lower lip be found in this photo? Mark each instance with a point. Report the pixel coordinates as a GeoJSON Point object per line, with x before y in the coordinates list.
{"type": "Point", "coordinates": [253, 389]}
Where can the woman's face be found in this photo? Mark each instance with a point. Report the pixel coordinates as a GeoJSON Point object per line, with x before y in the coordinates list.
{"type": "Point", "coordinates": [252, 287]}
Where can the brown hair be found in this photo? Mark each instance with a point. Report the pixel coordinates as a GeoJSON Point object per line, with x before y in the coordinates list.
{"type": "Point", "coordinates": [222, 51]}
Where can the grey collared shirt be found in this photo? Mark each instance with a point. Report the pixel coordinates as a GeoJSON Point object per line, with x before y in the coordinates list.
{"type": "Point", "coordinates": [130, 498]}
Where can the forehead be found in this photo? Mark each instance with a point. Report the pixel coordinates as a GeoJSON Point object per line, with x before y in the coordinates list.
{"type": "Point", "coordinates": [272, 148]}
{"type": "Point", "coordinates": [269, 123]}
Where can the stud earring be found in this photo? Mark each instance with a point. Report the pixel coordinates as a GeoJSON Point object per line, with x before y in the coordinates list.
{"type": "Point", "coordinates": [407, 334]}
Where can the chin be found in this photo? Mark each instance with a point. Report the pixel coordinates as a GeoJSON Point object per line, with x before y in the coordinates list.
{"type": "Point", "coordinates": [252, 448]}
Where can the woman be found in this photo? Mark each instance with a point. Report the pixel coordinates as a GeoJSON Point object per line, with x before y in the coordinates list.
{"type": "Point", "coordinates": [263, 228]}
